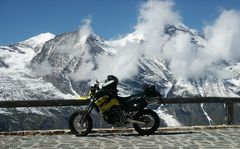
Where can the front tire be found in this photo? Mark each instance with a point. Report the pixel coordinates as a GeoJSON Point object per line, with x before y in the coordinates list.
{"type": "Point", "coordinates": [77, 128]}
{"type": "Point", "coordinates": [151, 120]}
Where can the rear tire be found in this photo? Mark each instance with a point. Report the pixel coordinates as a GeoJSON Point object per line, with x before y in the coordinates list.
{"type": "Point", "coordinates": [77, 128]}
{"type": "Point", "coordinates": [150, 118]}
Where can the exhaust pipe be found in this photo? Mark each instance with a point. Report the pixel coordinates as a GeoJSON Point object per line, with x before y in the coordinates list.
{"type": "Point", "coordinates": [136, 122]}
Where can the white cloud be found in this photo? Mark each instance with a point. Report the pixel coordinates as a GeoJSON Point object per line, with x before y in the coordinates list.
{"type": "Point", "coordinates": [154, 15]}
{"type": "Point", "coordinates": [223, 35]}
{"type": "Point", "coordinates": [187, 60]}
{"type": "Point", "coordinates": [124, 64]}
{"type": "Point", "coordinates": [86, 69]}
{"type": "Point", "coordinates": [78, 49]}
{"type": "Point", "coordinates": [85, 30]}
{"type": "Point", "coordinates": [222, 43]}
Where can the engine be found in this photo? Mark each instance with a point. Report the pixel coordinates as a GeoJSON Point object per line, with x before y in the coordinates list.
{"type": "Point", "coordinates": [113, 116]}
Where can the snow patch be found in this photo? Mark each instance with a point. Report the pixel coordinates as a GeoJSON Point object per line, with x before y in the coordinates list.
{"type": "Point", "coordinates": [168, 119]}
{"type": "Point", "coordinates": [210, 121]}
{"type": "Point", "coordinates": [39, 39]}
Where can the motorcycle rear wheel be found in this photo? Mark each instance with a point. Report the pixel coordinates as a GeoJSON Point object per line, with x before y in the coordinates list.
{"type": "Point", "coordinates": [151, 120]}
{"type": "Point", "coordinates": [77, 128]}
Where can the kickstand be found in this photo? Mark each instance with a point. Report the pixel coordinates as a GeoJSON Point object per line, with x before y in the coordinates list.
{"type": "Point", "coordinates": [124, 128]}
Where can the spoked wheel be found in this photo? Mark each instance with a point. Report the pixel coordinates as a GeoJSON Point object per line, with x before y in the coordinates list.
{"type": "Point", "coordinates": [151, 120]}
{"type": "Point", "coordinates": [80, 129]}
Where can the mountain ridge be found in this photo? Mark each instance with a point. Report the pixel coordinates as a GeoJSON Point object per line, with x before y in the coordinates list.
{"type": "Point", "coordinates": [61, 66]}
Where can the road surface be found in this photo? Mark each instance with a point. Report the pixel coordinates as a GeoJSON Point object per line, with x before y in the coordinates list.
{"type": "Point", "coordinates": [163, 139]}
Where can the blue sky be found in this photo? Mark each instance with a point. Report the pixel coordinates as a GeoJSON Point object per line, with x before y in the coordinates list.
{"type": "Point", "coordinates": [22, 19]}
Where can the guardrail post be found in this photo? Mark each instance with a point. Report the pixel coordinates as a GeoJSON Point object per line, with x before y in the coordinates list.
{"type": "Point", "coordinates": [230, 112]}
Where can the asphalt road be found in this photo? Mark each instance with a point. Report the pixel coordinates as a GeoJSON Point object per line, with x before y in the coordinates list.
{"type": "Point", "coordinates": [163, 139]}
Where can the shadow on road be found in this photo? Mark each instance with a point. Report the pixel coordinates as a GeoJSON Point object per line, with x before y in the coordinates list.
{"type": "Point", "coordinates": [175, 133]}
{"type": "Point", "coordinates": [137, 135]}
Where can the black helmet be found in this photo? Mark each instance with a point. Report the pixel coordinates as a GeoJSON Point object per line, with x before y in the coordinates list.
{"type": "Point", "coordinates": [112, 78]}
{"type": "Point", "coordinates": [110, 85]}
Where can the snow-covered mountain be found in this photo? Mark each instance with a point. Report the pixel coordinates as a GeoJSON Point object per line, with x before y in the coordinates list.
{"type": "Point", "coordinates": [63, 66]}
{"type": "Point", "coordinates": [17, 82]}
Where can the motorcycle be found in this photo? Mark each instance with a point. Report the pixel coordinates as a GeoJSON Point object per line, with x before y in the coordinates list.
{"type": "Point", "coordinates": [118, 111]}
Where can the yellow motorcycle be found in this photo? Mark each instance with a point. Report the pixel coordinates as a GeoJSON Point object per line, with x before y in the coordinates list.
{"type": "Point", "coordinates": [118, 111]}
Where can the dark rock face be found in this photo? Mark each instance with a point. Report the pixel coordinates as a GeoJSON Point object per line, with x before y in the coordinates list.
{"type": "Point", "coordinates": [193, 114]}
{"type": "Point", "coordinates": [57, 118]}
{"type": "Point", "coordinates": [33, 121]}
{"type": "Point", "coordinates": [3, 64]}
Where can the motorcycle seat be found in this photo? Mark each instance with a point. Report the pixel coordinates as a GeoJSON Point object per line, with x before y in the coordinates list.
{"type": "Point", "coordinates": [128, 98]}
{"type": "Point", "coordinates": [123, 99]}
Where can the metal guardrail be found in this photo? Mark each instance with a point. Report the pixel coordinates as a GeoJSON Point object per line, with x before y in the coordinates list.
{"type": "Point", "coordinates": [42, 103]}
{"type": "Point", "coordinates": [229, 101]}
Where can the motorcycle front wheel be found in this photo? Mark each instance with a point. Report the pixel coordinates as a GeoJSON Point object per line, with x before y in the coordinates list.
{"type": "Point", "coordinates": [82, 129]}
{"type": "Point", "coordinates": [151, 120]}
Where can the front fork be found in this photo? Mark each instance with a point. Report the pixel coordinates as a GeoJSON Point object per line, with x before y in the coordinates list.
{"type": "Point", "coordinates": [87, 111]}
